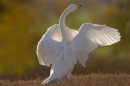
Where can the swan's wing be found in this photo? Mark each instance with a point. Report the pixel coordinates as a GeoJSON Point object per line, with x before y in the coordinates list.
{"type": "Point", "coordinates": [47, 47]}
{"type": "Point", "coordinates": [73, 32]}
{"type": "Point", "coordinates": [90, 36]}
{"type": "Point", "coordinates": [57, 34]}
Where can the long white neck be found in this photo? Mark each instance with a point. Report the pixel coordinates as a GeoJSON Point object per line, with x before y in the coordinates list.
{"type": "Point", "coordinates": [66, 35]}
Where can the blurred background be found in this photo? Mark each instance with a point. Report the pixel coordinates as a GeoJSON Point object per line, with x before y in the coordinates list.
{"type": "Point", "coordinates": [23, 22]}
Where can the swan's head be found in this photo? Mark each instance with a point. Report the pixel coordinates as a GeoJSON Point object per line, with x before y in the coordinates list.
{"type": "Point", "coordinates": [73, 7]}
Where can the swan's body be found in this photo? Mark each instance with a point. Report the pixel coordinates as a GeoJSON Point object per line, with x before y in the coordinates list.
{"type": "Point", "coordinates": [62, 47]}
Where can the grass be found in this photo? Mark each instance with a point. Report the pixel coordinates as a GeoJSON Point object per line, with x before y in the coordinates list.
{"type": "Point", "coordinates": [92, 79]}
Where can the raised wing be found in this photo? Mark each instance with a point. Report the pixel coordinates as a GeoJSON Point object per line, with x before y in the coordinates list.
{"type": "Point", "coordinates": [90, 36]}
{"type": "Point", "coordinates": [49, 45]}
{"type": "Point", "coordinates": [57, 34]}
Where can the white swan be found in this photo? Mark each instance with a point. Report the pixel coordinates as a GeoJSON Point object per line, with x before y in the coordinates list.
{"type": "Point", "coordinates": [61, 47]}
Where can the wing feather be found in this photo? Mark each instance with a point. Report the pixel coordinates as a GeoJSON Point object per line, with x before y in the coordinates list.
{"type": "Point", "coordinates": [49, 45]}
{"type": "Point", "coordinates": [90, 36]}
{"type": "Point", "coordinates": [57, 34]}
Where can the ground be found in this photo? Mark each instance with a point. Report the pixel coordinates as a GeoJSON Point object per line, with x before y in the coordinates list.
{"type": "Point", "coordinates": [92, 79]}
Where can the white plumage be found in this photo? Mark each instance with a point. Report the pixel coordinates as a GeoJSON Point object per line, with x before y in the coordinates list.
{"type": "Point", "coordinates": [61, 46]}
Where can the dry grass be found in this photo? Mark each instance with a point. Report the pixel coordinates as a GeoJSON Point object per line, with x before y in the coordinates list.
{"type": "Point", "coordinates": [81, 80]}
